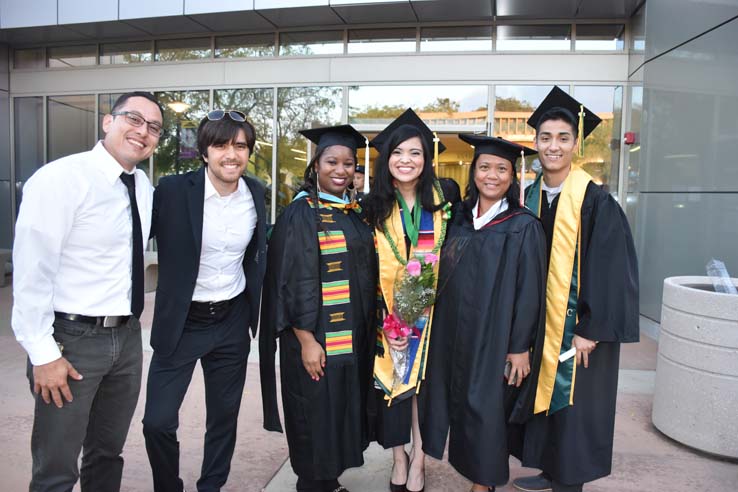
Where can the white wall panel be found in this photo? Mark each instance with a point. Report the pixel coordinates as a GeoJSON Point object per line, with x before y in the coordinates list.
{"type": "Point", "coordinates": [28, 13]}
{"type": "Point", "coordinates": [209, 6]}
{"type": "Point", "coordinates": [80, 11]}
{"type": "Point", "coordinates": [279, 4]}
{"type": "Point", "coordinates": [138, 9]}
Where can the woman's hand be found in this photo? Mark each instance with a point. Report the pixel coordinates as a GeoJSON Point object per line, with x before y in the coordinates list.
{"type": "Point", "coordinates": [399, 344]}
{"type": "Point", "coordinates": [584, 348]}
{"type": "Point", "coordinates": [313, 355]}
{"type": "Point", "coordinates": [520, 368]}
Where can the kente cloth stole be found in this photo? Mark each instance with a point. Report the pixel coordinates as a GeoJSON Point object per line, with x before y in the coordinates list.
{"type": "Point", "coordinates": [335, 312]}
{"type": "Point", "coordinates": [390, 269]}
{"type": "Point", "coordinates": [556, 380]}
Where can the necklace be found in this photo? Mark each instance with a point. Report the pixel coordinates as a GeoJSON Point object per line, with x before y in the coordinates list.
{"type": "Point", "coordinates": [437, 246]}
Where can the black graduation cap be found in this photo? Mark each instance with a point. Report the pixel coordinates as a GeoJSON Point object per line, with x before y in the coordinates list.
{"type": "Point", "coordinates": [345, 135]}
{"type": "Point", "coordinates": [409, 117]}
{"type": "Point", "coordinates": [495, 146]}
{"type": "Point", "coordinates": [360, 169]}
{"type": "Point", "coordinates": [557, 98]}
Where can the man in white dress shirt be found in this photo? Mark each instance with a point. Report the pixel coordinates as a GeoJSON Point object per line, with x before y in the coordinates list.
{"type": "Point", "coordinates": [210, 227]}
{"type": "Point", "coordinates": [78, 294]}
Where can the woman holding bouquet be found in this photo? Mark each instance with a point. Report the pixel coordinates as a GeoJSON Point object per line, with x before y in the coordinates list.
{"type": "Point", "coordinates": [490, 316]}
{"type": "Point", "coordinates": [319, 299]}
{"type": "Point", "coordinates": [409, 212]}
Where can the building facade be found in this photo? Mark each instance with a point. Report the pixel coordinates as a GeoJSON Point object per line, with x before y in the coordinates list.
{"type": "Point", "coordinates": [477, 66]}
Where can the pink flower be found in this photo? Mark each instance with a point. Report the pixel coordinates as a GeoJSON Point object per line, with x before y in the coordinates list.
{"type": "Point", "coordinates": [431, 259]}
{"type": "Point", "coordinates": [394, 327]}
{"type": "Point", "coordinates": [413, 268]}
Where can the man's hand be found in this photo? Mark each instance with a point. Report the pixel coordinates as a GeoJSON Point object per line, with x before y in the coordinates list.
{"type": "Point", "coordinates": [398, 344]}
{"type": "Point", "coordinates": [520, 368]}
{"type": "Point", "coordinates": [584, 348]}
{"type": "Point", "coordinates": [50, 380]}
{"type": "Point", "coordinates": [312, 353]}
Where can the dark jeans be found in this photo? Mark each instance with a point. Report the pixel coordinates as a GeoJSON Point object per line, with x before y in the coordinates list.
{"type": "Point", "coordinates": [223, 349]}
{"type": "Point", "coordinates": [98, 418]}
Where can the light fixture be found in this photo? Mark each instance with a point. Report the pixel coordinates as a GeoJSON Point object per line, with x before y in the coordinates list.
{"type": "Point", "coordinates": [178, 106]}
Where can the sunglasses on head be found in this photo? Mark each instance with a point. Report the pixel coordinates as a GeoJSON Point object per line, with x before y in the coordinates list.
{"type": "Point", "coordinates": [219, 114]}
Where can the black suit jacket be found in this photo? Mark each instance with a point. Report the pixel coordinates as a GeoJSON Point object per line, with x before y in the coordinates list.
{"type": "Point", "coordinates": [177, 224]}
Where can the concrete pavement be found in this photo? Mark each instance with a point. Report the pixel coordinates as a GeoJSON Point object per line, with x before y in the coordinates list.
{"type": "Point", "coordinates": [644, 459]}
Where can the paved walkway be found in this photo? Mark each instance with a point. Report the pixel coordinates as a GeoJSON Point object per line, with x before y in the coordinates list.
{"type": "Point", "coordinates": [644, 459]}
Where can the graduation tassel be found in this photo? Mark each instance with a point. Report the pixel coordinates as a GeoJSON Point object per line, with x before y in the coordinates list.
{"type": "Point", "coordinates": [522, 178]}
{"type": "Point", "coordinates": [581, 130]}
{"type": "Point", "coordinates": [366, 166]}
{"type": "Point", "coordinates": [435, 149]}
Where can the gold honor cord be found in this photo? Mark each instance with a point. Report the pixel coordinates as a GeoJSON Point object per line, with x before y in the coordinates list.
{"type": "Point", "coordinates": [561, 264]}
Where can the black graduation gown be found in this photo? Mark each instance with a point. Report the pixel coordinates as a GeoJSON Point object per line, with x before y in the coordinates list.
{"type": "Point", "coordinates": [490, 303]}
{"type": "Point", "coordinates": [574, 445]}
{"type": "Point", "coordinates": [325, 420]}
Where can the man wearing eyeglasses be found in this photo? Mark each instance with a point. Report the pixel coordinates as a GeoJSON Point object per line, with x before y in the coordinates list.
{"type": "Point", "coordinates": [78, 294]}
{"type": "Point", "coordinates": [210, 227]}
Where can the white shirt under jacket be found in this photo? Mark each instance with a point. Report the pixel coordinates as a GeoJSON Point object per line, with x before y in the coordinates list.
{"type": "Point", "coordinates": [228, 225]}
{"type": "Point", "coordinates": [490, 214]}
{"type": "Point", "coordinates": [72, 249]}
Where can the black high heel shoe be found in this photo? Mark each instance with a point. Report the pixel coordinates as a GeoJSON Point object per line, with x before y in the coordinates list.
{"type": "Point", "coordinates": [395, 487]}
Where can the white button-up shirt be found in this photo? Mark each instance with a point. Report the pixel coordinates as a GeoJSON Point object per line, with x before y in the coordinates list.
{"type": "Point", "coordinates": [72, 249]}
{"type": "Point", "coordinates": [227, 228]}
{"type": "Point", "coordinates": [490, 214]}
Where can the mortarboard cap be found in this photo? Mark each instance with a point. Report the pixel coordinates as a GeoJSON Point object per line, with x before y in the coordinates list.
{"type": "Point", "coordinates": [495, 146]}
{"type": "Point", "coordinates": [360, 169]}
{"type": "Point", "coordinates": [345, 135]}
{"type": "Point", "coordinates": [557, 98]}
{"type": "Point", "coordinates": [409, 117]}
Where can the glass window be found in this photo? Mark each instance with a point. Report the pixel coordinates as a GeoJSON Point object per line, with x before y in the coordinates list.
{"type": "Point", "coordinates": [121, 53]}
{"type": "Point", "coordinates": [600, 37]}
{"type": "Point", "coordinates": [30, 58]}
{"type": "Point", "coordinates": [455, 161]}
{"type": "Point", "coordinates": [299, 108]}
{"type": "Point", "coordinates": [183, 49]}
{"type": "Point", "coordinates": [28, 136]}
{"type": "Point", "coordinates": [513, 106]}
{"type": "Point", "coordinates": [245, 45]}
{"type": "Point", "coordinates": [382, 40]}
{"type": "Point", "coordinates": [72, 56]}
{"type": "Point", "coordinates": [462, 105]}
{"type": "Point", "coordinates": [545, 37]}
{"type": "Point", "coordinates": [311, 43]}
{"type": "Point", "coordinates": [257, 104]}
{"type": "Point", "coordinates": [71, 125]}
{"type": "Point", "coordinates": [471, 38]}
{"type": "Point", "coordinates": [177, 150]}
{"type": "Point", "coordinates": [601, 148]}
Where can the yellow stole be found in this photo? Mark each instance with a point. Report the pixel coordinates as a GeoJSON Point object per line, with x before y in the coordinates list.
{"type": "Point", "coordinates": [566, 238]}
{"type": "Point", "coordinates": [389, 271]}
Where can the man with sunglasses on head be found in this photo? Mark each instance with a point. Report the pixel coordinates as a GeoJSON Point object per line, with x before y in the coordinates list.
{"type": "Point", "coordinates": [210, 227]}
{"type": "Point", "coordinates": [78, 295]}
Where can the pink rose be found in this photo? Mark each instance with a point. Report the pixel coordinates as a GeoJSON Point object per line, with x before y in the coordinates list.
{"type": "Point", "coordinates": [431, 259]}
{"type": "Point", "coordinates": [413, 268]}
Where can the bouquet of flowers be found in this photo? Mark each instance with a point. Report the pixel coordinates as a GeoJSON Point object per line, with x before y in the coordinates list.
{"type": "Point", "coordinates": [414, 292]}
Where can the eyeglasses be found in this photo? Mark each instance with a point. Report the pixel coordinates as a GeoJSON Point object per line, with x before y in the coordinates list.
{"type": "Point", "coordinates": [219, 114]}
{"type": "Point", "coordinates": [135, 119]}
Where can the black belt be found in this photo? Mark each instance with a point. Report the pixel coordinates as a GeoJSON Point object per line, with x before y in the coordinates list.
{"type": "Point", "coordinates": [104, 321]}
{"type": "Point", "coordinates": [211, 308]}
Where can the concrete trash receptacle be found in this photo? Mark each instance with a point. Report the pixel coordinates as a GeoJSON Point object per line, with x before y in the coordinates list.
{"type": "Point", "coordinates": [696, 393]}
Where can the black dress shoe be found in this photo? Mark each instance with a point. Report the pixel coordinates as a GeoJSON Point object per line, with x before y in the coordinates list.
{"type": "Point", "coordinates": [537, 483]}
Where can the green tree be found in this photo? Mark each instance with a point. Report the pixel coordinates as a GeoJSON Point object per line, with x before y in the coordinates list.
{"type": "Point", "coordinates": [512, 104]}
{"type": "Point", "coordinates": [441, 105]}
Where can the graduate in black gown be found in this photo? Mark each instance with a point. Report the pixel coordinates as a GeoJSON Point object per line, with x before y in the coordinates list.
{"type": "Point", "coordinates": [591, 307]}
{"type": "Point", "coordinates": [319, 301]}
{"type": "Point", "coordinates": [490, 310]}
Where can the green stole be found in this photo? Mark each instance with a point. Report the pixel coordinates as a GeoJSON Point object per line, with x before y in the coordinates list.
{"type": "Point", "coordinates": [556, 379]}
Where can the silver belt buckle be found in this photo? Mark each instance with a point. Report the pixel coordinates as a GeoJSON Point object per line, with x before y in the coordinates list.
{"type": "Point", "coordinates": [111, 321]}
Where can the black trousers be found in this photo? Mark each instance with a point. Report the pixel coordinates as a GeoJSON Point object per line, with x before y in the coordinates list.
{"type": "Point", "coordinates": [222, 346]}
{"type": "Point", "coordinates": [96, 421]}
